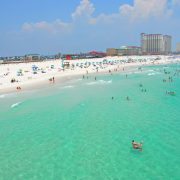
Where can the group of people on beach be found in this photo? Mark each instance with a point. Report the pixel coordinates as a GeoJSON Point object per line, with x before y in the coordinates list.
{"type": "Point", "coordinates": [52, 79]}
{"type": "Point", "coordinates": [18, 88]}
{"type": "Point", "coordinates": [13, 80]}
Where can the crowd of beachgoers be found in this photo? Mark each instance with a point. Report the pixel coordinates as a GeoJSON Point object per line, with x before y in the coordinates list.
{"type": "Point", "coordinates": [17, 76]}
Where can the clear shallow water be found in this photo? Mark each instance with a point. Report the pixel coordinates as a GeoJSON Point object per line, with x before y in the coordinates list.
{"type": "Point", "coordinates": [76, 131]}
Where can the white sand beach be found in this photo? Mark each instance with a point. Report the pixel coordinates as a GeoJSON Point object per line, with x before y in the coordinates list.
{"type": "Point", "coordinates": [32, 74]}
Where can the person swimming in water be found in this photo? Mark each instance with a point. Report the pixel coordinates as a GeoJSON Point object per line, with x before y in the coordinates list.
{"type": "Point", "coordinates": [137, 145]}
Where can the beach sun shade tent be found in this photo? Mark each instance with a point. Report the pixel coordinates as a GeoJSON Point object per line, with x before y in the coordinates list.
{"type": "Point", "coordinates": [34, 68]}
{"type": "Point", "coordinates": [19, 72]}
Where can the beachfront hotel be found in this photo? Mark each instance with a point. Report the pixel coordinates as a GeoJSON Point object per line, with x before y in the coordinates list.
{"type": "Point", "coordinates": [112, 52]}
{"type": "Point", "coordinates": [155, 44]}
{"type": "Point", "coordinates": [178, 47]}
{"type": "Point", "coordinates": [129, 50]}
{"type": "Point", "coordinates": [124, 51]}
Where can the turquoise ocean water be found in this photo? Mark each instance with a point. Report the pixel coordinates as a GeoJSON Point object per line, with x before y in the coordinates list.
{"type": "Point", "coordinates": [74, 130]}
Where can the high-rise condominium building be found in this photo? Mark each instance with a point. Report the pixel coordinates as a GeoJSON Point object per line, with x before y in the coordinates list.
{"type": "Point", "coordinates": [155, 43]}
{"type": "Point", "coordinates": [178, 47]}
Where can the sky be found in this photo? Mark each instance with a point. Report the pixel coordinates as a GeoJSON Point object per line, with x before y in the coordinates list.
{"type": "Point", "coordinates": [74, 26]}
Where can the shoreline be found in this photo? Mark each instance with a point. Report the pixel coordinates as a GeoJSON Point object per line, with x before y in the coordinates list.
{"type": "Point", "coordinates": [62, 76]}
{"type": "Point", "coordinates": [59, 78]}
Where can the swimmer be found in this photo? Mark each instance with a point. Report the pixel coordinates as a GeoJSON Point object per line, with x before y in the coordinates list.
{"type": "Point", "coordinates": [127, 98]}
{"type": "Point", "coordinates": [112, 98]}
{"type": "Point", "coordinates": [137, 145]}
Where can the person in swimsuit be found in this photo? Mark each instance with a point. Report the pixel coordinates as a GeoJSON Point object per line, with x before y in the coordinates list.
{"type": "Point", "coordinates": [136, 145]}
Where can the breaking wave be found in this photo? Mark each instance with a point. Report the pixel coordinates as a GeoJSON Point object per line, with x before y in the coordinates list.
{"type": "Point", "coordinates": [152, 74]}
{"type": "Point", "coordinates": [2, 96]}
{"type": "Point", "coordinates": [16, 104]}
{"type": "Point", "coordinates": [68, 87]}
{"type": "Point", "coordinates": [100, 82]}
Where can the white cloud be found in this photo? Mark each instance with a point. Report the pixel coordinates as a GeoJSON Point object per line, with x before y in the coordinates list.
{"type": "Point", "coordinates": [176, 2]}
{"type": "Point", "coordinates": [104, 18]}
{"type": "Point", "coordinates": [26, 27]}
{"type": "Point", "coordinates": [85, 8]}
{"type": "Point", "coordinates": [140, 10]}
{"type": "Point", "coordinates": [53, 27]}
{"type": "Point", "coordinates": [143, 9]}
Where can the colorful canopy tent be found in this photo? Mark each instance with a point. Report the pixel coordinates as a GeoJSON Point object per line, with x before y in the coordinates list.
{"type": "Point", "coordinates": [34, 68]}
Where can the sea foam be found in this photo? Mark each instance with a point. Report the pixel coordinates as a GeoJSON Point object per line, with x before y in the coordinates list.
{"type": "Point", "coordinates": [100, 82]}
{"type": "Point", "coordinates": [67, 87]}
{"type": "Point", "coordinates": [152, 74]}
{"type": "Point", "coordinates": [16, 104]}
{"type": "Point", "coordinates": [7, 95]}
{"type": "Point", "coordinates": [2, 96]}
